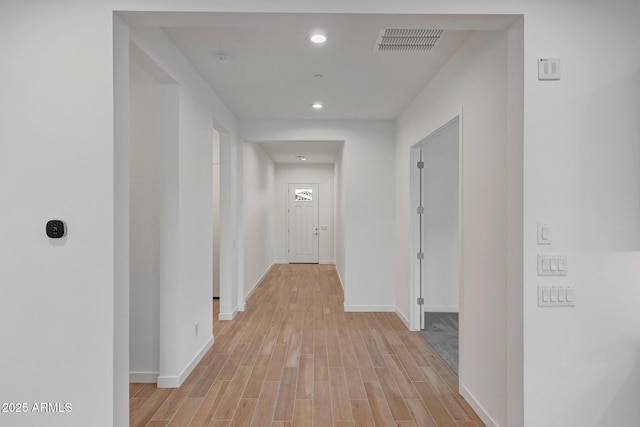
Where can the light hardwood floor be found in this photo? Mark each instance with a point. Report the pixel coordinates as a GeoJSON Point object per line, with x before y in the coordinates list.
{"type": "Point", "coordinates": [295, 358]}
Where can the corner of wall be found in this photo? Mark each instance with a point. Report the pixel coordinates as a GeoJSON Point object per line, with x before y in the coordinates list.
{"type": "Point", "coordinates": [175, 381]}
{"type": "Point", "coordinates": [402, 317]}
{"type": "Point", "coordinates": [479, 410]}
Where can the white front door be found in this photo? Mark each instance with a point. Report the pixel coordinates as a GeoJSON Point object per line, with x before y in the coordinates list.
{"type": "Point", "coordinates": [303, 223]}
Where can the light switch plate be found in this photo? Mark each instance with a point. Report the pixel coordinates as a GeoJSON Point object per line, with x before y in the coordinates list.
{"type": "Point", "coordinates": [544, 234]}
{"type": "Point", "coordinates": [556, 296]}
{"type": "Point", "coordinates": [552, 265]}
{"type": "Point", "coordinates": [549, 69]}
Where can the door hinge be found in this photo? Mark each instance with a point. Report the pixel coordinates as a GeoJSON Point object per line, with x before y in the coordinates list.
{"type": "Point", "coordinates": [420, 301]}
{"type": "Point", "coordinates": [420, 164]}
{"type": "Point", "coordinates": [420, 255]}
{"type": "Point", "coordinates": [420, 210]}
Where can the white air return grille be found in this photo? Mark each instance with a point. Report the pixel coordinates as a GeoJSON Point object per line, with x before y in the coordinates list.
{"type": "Point", "coordinates": [407, 40]}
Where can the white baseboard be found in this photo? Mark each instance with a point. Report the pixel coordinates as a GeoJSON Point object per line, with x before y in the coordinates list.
{"type": "Point", "coordinates": [402, 317]}
{"type": "Point", "coordinates": [441, 308]}
{"type": "Point", "coordinates": [176, 381]}
{"type": "Point", "coordinates": [144, 377]}
{"type": "Point", "coordinates": [486, 418]}
{"type": "Point", "coordinates": [322, 261]}
{"type": "Point", "coordinates": [369, 308]}
{"type": "Point", "coordinates": [228, 316]}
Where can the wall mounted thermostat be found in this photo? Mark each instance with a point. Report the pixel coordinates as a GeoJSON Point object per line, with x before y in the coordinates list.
{"type": "Point", "coordinates": [55, 229]}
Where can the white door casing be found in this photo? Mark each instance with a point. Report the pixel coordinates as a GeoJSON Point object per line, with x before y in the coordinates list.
{"type": "Point", "coordinates": [303, 223]}
{"type": "Point", "coordinates": [436, 225]}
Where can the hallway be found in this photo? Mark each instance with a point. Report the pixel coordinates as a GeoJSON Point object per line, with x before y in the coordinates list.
{"type": "Point", "coordinates": [294, 358]}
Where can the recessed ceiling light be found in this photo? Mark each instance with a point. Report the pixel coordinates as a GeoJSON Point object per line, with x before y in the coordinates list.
{"type": "Point", "coordinates": [318, 38]}
{"type": "Point", "coordinates": [223, 56]}
{"type": "Point", "coordinates": [317, 106]}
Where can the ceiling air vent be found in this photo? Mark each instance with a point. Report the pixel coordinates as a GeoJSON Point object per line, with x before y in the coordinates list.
{"type": "Point", "coordinates": [407, 40]}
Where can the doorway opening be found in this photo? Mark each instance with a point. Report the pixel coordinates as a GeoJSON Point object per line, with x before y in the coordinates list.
{"type": "Point", "coordinates": [436, 231]}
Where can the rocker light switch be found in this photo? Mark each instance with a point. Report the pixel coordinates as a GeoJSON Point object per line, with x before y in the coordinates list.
{"type": "Point", "coordinates": [552, 265]}
{"type": "Point", "coordinates": [556, 296]}
{"type": "Point", "coordinates": [544, 234]}
{"type": "Point", "coordinates": [549, 69]}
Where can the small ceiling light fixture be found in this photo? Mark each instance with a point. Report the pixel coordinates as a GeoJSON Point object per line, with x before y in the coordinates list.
{"type": "Point", "coordinates": [223, 56]}
{"type": "Point", "coordinates": [318, 38]}
{"type": "Point", "coordinates": [317, 106]}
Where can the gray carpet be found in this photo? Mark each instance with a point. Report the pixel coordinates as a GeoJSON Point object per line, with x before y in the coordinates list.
{"type": "Point", "coordinates": [441, 330]}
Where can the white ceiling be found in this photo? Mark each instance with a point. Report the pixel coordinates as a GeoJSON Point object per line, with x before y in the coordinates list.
{"type": "Point", "coordinates": [314, 151]}
{"type": "Point", "coordinates": [270, 73]}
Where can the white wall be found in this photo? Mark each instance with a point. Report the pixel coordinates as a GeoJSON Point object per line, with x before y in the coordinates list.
{"type": "Point", "coordinates": [185, 301]}
{"type": "Point", "coordinates": [57, 130]}
{"type": "Point", "coordinates": [322, 174]}
{"type": "Point", "coordinates": [473, 80]}
{"type": "Point", "coordinates": [582, 176]}
{"type": "Point", "coordinates": [121, 214]}
{"type": "Point", "coordinates": [56, 162]}
{"type": "Point", "coordinates": [154, 127]}
{"type": "Point", "coordinates": [367, 186]}
{"type": "Point", "coordinates": [339, 215]}
{"type": "Point", "coordinates": [440, 220]}
{"type": "Point", "coordinates": [259, 214]}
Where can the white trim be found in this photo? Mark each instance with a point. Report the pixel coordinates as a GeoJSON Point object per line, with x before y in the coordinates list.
{"type": "Point", "coordinates": [402, 317]}
{"type": "Point", "coordinates": [228, 316]}
{"type": "Point", "coordinates": [441, 309]}
{"type": "Point", "coordinates": [176, 381]}
{"type": "Point", "coordinates": [281, 261]}
{"type": "Point", "coordinates": [479, 410]}
{"type": "Point", "coordinates": [144, 377]}
{"type": "Point", "coordinates": [370, 308]}
{"type": "Point", "coordinates": [415, 312]}
{"type": "Point", "coordinates": [327, 261]}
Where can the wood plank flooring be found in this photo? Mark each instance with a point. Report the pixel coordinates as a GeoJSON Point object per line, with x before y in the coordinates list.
{"type": "Point", "coordinates": [294, 358]}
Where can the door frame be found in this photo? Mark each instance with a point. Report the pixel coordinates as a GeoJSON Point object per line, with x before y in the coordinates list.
{"type": "Point", "coordinates": [415, 311]}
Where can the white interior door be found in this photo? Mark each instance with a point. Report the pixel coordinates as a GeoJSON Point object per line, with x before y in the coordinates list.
{"type": "Point", "coordinates": [303, 223]}
{"type": "Point", "coordinates": [439, 217]}
{"type": "Point", "coordinates": [436, 225]}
